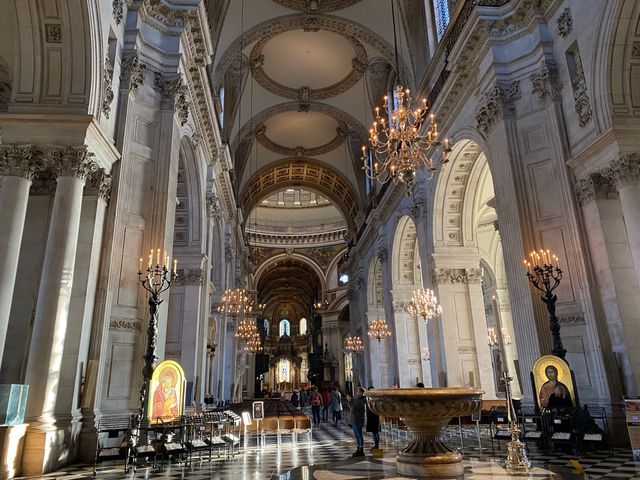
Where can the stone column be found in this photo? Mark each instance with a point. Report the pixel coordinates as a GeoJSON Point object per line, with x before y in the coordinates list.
{"type": "Point", "coordinates": [505, 322]}
{"type": "Point", "coordinates": [43, 443]}
{"type": "Point", "coordinates": [624, 172]}
{"type": "Point", "coordinates": [18, 165]}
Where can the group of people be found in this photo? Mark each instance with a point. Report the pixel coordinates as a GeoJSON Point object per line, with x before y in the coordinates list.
{"type": "Point", "coordinates": [327, 403]}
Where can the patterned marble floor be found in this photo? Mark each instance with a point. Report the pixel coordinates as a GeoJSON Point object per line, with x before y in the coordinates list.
{"type": "Point", "coordinates": [329, 457]}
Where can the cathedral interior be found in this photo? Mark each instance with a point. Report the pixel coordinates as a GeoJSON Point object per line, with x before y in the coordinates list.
{"type": "Point", "coordinates": [225, 220]}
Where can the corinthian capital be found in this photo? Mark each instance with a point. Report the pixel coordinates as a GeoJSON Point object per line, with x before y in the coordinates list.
{"type": "Point", "coordinates": [99, 184]}
{"type": "Point", "coordinates": [624, 170]}
{"type": "Point", "coordinates": [19, 161]}
{"type": "Point", "coordinates": [72, 161]}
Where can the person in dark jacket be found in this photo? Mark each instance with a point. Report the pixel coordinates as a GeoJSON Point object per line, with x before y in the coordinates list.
{"type": "Point", "coordinates": [373, 426]}
{"type": "Point", "coordinates": [358, 406]}
{"type": "Point", "coordinates": [294, 400]}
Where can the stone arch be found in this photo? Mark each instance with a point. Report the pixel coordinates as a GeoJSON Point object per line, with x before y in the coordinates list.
{"type": "Point", "coordinates": [55, 59]}
{"type": "Point", "coordinates": [302, 172]}
{"type": "Point", "coordinates": [260, 271]}
{"type": "Point", "coordinates": [405, 258]}
{"type": "Point", "coordinates": [617, 93]}
{"type": "Point", "coordinates": [254, 128]}
{"type": "Point", "coordinates": [298, 21]}
{"type": "Point", "coordinates": [190, 225]}
{"type": "Point", "coordinates": [375, 285]}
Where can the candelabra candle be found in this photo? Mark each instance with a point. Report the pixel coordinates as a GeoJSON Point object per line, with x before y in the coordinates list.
{"type": "Point", "coordinates": [492, 337]}
{"type": "Point", "coordinates": [379, 329]}
{"type": "Point", "coordinates": [544, 273]}
{"type": "Point", "coordinates": [353, 344]}
{"type": "Point", "coordinates": [424, 303]}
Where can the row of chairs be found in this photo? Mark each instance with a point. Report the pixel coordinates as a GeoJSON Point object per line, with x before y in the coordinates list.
{"type": "Point", "coordinates": [294, 425]}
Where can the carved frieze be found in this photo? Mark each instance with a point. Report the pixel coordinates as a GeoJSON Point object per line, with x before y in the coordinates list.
{"type": "Point", "coordinates": [581, 95]}
{"type": "Point", "coordinates": [624, 170]}
{"type": "Point", "coordinates": [20, 161]}
{"type": "Point", "coordinates": [498, 103]}
{"type": "Point", "coordinates": [545, 84]}
{"type": "Point", "coordinates": [572, 321]}
{"type": "Point", "coordinates": [173, 95]}
{"type": "Point", "coordinates": [69, 161]}
{"type": "Point", "coordinates": [99, 184]}
{"type": "Point", "coordinates": [457, 275]}
{"type": "Point", "coordinates": [213, 207]}
{"type": "Point", "coordinates": [107, 87]}
{"type": "Point", "coordinates": [565, 22]}
{"type": "Point", "coordinates": [117, 7]}
{"type": "Point", "coordinates": [132, 73]}
{"type": "Point", "coordinates": [54, 32]}
{"type": "Point", "coordinates": [121, 324]}
{"type": "Point", "coordinates": [316, 6]}
{"type": "Point", "coordinates": [190, 276]}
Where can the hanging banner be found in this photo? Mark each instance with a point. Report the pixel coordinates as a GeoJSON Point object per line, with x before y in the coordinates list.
{"type": "Point", "coordinates": [166, 393]}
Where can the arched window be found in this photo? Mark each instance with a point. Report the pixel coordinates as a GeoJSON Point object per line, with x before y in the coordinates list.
{"type": "Point", "coordinates": [285, 328]}
{"type": "Point", "coordinates": [266, 326]}
{"type": "Point", "coordinates": [441, 12]}
{"type": "Point", "coordinates": [303, 326]}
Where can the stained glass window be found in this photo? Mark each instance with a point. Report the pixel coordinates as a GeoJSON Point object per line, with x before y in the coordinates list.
{"type": "Point", "coordinates": [441, 12]}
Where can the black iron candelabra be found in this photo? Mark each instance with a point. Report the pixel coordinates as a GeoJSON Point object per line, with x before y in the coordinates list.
{"type": "Point", "coordinates": [156, 280]}
{"type": "Point", "coordinates": [545, 274]}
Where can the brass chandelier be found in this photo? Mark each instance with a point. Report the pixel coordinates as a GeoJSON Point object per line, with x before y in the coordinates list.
{"type": "Point", "coordinates": [406, 140]}
{"type": "Point", "coordinates": [246, 329]}
{"type": "Point", "coordinates": [424, 303]}
{"type": "Point", "coordinates": [234, 303]}
{"type": "Point", "coordinates": [379, 329]}
{"type": "Point", "coordinates": [254, 343]}
{"type": "Point", "coordinates": [353, 344]}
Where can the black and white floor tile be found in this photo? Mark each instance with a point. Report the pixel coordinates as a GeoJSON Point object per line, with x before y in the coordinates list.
{"type": "Point", "coordinates": [328, 456]}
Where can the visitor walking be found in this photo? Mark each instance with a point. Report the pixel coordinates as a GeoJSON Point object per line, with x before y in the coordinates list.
{"type": "Point", "coordinates": [373, 426]}
{"type": "Point", "coordinates": [335, 406]}
{"type": "Point", "coordinates": [294, 400]}
{"type": "Point", "coordinates": [358, 406]}
{"type": "Point", "coordinates": [316, 404]}
{"type": "Point", "coordinates": [325, 404]}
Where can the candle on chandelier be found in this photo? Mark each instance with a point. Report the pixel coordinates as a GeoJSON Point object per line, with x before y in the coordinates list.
{"type": "Point", "coordinates": [140, 266]}
{"type": "Point", "coordinates": [158, 257]}
{"type": "Point", "coordinates": [175, 266]}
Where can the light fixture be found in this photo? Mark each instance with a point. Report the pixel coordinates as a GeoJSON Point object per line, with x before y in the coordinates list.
{"type": "Point", "coordinates": [424, 303]}
{"type": "Point", "coordinates": [234, 303]}
{"type": "Point", "coordinates": [492, 338]}
{"type": "Point", "coordinates": [353, 344]}
{"type": "Point", "coordinates": [379, 329]}
{"type": "Point", "coordinates": [246, 329]}
{"type": "Point", "coordinates": [400, 143]}
{"type": "Point", "coordinates": [506, 337]}
{"type": "Point", "coordinates": [254, 343]}
{"type": "Point", "coordinates": [344, 279]}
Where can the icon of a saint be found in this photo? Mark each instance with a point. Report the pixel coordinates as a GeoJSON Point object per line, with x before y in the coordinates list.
{"type": "Point", "coordinates": [553, 393]}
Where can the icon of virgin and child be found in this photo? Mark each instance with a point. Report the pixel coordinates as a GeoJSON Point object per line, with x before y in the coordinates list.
{"type": "Point", "coordinates": [166, 392]}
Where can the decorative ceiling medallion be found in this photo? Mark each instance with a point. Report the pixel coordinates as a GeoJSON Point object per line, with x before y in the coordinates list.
{"type": "Point", "coordinates": [302, 172]}
{"type": "Point", "coordinates": [316, 6]}
{"type": "Point", "coordinates": [300, 21]}
{"type": "Point", "coordinates": [359, 64]}
{"type": "Point", "coordinates": [265, 141]}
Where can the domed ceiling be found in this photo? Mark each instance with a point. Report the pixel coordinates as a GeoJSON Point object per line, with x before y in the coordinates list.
{"type": "Point", "coordinates": [296, 79]}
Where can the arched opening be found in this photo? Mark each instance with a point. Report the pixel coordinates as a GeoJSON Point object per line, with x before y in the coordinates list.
{"type": "Point", "coordinates": [302, 326]}
{"type": "Point", "coordinates": [284, 328]}
{"type": "Point", "coordinates": [410, 333]}
{"type": "Point", "coordinates": [378, 351]}
{"type": "Point", "coordinates": [470, 275]}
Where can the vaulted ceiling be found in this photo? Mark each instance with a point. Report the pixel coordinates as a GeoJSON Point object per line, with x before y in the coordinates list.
{"type": "Point", "coordinates": [297, 80]}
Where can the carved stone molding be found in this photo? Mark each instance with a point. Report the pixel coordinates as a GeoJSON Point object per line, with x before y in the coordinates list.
{"type": "Point", "coordinates": [99, 184]}
{"type": "Point", "coordinates": [593, 188]}
{"type": "Point", "coordinates": [196, 138]}
{"type": "Point", "coordinates": [383, 255]}
{"type": "Point", "coordinates": [54, 32]}
{"type": "Point", "coordinates": [120, 324]}
{"type": "Point", "coordinates": [273, 27]}
{"type": "Point", "coordinates": [117, 7]}
{"type": "Point", "coordinates": [498, 103]}
{"type": "Point", "coordinates": [316, 6]}
{"type": "Point", "coordinates": [466, 349]}
{"type": "Point", "coordinates": [107, 87]}
{"type": "Point", "coordinates": [624, 170]}
{"type": "Point", "coordinates": [565, 23]}
{"type": "Point", "coordinates": [457, 275]}
{"type": "Point", "coordinates": [213, 207]}
{"type": "Point", "coordinates": [173, 95]}
{"type": "Point", "coordinates": [572, 321]}
{"type": "Point", "coordinates": [132, 73]}
{"type": "Point", "coordinates": [581, 95]}
{"type": "Point", "coordinates": [378, 74]}
{"type": "Point", "coordinates": [305, 94]}
{"type": "Point", "coordinates": [545, 84]}
{"type": "Point", "coordinates": [72, 161]}
{"type": "Point", "coordinates": [265, 141]}
{"type": "Point", "coordinates": [167, 18]}
{"type": "Point", "coordinates": [190, 276]}
{"type": "Point", "coordinates": [20, 161]}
